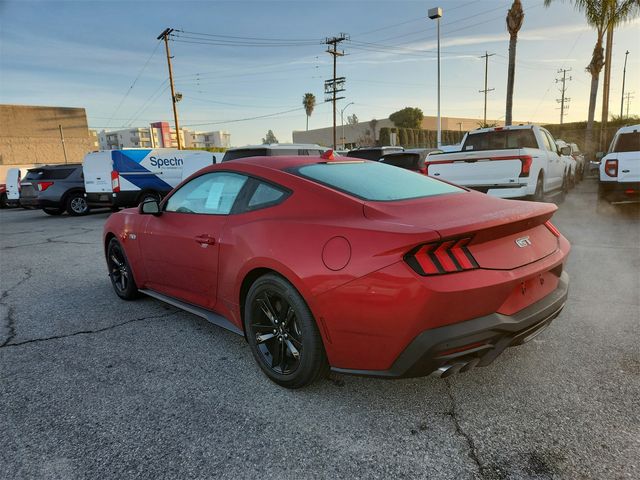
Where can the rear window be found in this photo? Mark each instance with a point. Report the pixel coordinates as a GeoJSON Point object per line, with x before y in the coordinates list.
{"type": "Point", "coordinates": [366, 154]}
{"type": "Point", "coordinates": [374, 181]}
{"type": "Point", "coordinates": [627, 142]}
{"type": "Point", "coordinates": [243, 153]}
{"type": "Point", "coordinates": [501, 139]}
{"type": "Point", "coordinates": [48, 173]}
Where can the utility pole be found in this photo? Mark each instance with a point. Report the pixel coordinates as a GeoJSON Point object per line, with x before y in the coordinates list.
{"type": "Point", "coordinates": [436, 14]}
{"type": "Point", "coordinates": [174, 98]}
{"type": "Point", "coordinates": [336, 84]}
{"type": "Point", "coordinates": [563, 100]}
{"type": "Point", "coordinates": [629, 96]}
{"type": "Point", "coordinates": [624, 75]}
{"type": "Point", "coordinates": [486, 78]}
{"type": "Point", "coordinates": [64, 149]}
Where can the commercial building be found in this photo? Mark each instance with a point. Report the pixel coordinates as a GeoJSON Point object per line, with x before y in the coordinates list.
{"type": "Point", "coordinates": [33, 135]}
{"type": "Point", "coordinates": [161, 135]}
{"type": "Point", "coordinates": [367, 133]}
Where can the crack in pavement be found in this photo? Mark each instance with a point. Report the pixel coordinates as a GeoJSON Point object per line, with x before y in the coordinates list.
{"type": "Point", "coordinates": [53, 239]}
{"type": "Point", "coordinates": [473, 452]}
{"type": "Point", "coordinates": [88, 332]}
{"type": "Point", "coordinates": [11, 323]}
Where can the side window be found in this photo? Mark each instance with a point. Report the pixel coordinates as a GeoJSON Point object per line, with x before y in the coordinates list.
{"type": "Point", "coordinates": [265, 195]}
{"type": "Point", "coordinates": [547, 142]}
{"type": "Point", "coordinates": [211, 194]}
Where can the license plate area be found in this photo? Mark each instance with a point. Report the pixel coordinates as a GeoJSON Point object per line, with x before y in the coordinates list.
{"type": "Point", "coordinates": [529, 291]}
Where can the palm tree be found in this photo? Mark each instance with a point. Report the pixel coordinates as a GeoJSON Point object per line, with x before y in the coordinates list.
{"type": "Point", "coordinates": [309, 103]}
{"type": "Point", "coordinates": [515, 17]}
{"type": "Point", "coordinates": [601, 15]}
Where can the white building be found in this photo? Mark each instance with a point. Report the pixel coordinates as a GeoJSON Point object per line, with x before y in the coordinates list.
{"type": "Point", "coordinates": [160, 135]}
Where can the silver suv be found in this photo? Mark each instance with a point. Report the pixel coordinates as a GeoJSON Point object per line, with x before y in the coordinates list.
{"type": "Point", "coordinates": [55, 189]}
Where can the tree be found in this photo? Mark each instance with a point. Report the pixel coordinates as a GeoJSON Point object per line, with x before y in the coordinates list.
{"type": "Point", "coordinates": [601, 15]}
{"type": "Point", "coordinates": [515, 17]}
{"type": "Point", "coordinates": [408, 117]}
{"type": "Point", "coordinates": [309, 103]}
{"type": "Point", "coordinates": [270, 138]}
{"type": "Point", "coordinates": [352, 119]}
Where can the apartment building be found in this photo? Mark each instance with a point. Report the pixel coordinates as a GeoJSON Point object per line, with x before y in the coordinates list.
{"type": "Point", "coordinates": [161, 135]}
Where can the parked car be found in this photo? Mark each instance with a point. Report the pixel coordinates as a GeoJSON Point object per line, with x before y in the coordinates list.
{"type": "Point", "coordinates": [273, 149]}
{"type": "Point", "coordinates": [124, 178]}
{"type": "Point", "coordinates": [55, 189]}
{"type": "Point", "coordinates": [412, 159]}
{"type": "Point", "coordinates": [620, 168]}
{"type": "Point", "coordinates": [347, 264]}
{"type": "Point", "coordinates": [373, 153]}
{"type": "Point", "coordinates": [4, 202]}
{"type": "Point", "coordinates": [510, 162]}
{"type": "Point", "coordinates": [571, 165]}
{"type": "Point", "coordinates": [580, 159]}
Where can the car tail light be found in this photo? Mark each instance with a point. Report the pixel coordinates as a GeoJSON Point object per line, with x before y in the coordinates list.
{"type": "Point", "coordinates": [115, 181]}
{"type": "Point", "coordinates": [526, 160]}
{"type": "Point", "coordinates": [42, 186]}
{"type": "Point", "coordinates": [552, 228]}
{"type": "Point", "coordinates": [611, 168]}
{"type": "Point", "coordinates": [443, 257]}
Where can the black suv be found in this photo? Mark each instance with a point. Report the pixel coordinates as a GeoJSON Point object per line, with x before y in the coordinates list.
{"type": "Point", "coordinates": [54, 189]}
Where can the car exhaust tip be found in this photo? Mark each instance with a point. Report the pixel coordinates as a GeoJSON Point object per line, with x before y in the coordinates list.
{"type": "Point", "coordinates": [448, 370]}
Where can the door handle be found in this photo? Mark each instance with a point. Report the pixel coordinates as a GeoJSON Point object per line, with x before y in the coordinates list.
{"type": "Point", "coordinates": [205, 239]}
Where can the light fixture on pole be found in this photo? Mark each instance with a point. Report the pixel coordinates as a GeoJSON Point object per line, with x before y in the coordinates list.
{"type": "Point", "coordinates": [342, 120]}
{"type": "Point", "coordinates": [436, 14]}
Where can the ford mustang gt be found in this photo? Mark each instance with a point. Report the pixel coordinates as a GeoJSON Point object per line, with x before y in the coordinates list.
{"type": "Point", "coordinates": [345, 264]}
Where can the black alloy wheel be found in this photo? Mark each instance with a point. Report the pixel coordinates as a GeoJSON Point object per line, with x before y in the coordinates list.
{"type": "Point", "coordinates": [120, 272]}
{"type": "Point", "coordinates": [282, 333]}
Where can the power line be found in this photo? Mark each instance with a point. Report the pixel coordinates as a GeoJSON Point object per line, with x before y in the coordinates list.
{"type": "Point", "coordinates": [134, 82]}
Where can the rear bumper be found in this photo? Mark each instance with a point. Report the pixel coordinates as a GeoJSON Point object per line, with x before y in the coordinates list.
{"type": "Point", "coordinates": [109, 199]}
{"type": "Point", "coordinates": [36, 202]}
{"type": "Point", "coordinates": [476, 342]}
{"type": "Point", "coordinates": [619, 192]}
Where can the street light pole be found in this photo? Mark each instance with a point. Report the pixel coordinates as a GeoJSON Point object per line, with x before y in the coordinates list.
{"type": "Point", "coordinates": [342, 121]}
{"type": "Point", "coordinates": [436, 14]}
{"type": "Point", "coordinates": [624, 74]}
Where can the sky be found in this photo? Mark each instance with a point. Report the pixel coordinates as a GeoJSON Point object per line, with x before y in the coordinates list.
{"type": "Point", "coordinates": [104, 56]}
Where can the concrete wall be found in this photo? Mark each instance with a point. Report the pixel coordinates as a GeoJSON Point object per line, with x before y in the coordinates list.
{"type": "Point", "coordinates": [30, 135]}
{"type": "Point", "coordinates": [354, 134]}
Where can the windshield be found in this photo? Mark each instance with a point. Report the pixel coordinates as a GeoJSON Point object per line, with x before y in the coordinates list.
{"type": "Point", "coordinates": [500, 140]}
{"type": "Point", "coordinates": [627, 142]}
{"type": "Point", "coordinates": [383, 182]}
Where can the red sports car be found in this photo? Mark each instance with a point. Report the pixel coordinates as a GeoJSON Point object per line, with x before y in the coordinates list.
{"type": "Point", "coordinates": [357, 266]}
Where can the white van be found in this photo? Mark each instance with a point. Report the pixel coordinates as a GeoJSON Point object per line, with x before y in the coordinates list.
{"type": "Point", "coordinates": [124, 178]}
{"type": "Point", "coordinates": [14, 176]}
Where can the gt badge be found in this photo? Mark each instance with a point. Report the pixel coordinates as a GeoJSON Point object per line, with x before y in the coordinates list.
{"type": "Point", "coordinates": [523, 242]}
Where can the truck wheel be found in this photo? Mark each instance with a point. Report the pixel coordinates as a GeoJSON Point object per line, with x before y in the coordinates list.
{"type": "Point", "coordinates": [53, 211]}
{"type": "Point", "coordinates": [77, 205]}
{"type": "Point", "coordinates": [538, 196]}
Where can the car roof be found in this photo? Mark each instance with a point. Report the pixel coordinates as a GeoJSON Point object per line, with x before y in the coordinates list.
{"type": "Point", "coordinates": [279, 146]}
{"type": "Point", "coordinates": [279, 162]}
{"type": "Point", "coordinates": [629, 129]}
{"type": "Point", "coordinates": [58, 165]}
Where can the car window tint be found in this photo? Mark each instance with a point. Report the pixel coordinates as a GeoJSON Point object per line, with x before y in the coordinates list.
{"type": "Point", "coordinates": [265, 195]}
{"type": "Point", "coordinates": [374, 154]}
{"type": "Point", "coordinates": [243, 153]}
{"type": "Point", "coordinates": [211, 193]}
{"type": "Point", "coordinates": [48, 173]}
{"type": "Point", "coordinates": [501, 139]}
{"type": "Point", "coordinates": [628, 142]}
{"type": "Point", "coordinates": [375, 181]}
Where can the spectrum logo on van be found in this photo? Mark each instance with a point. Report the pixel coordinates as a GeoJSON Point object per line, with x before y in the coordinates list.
{"type": "Point", "coordinates": [166, 162]}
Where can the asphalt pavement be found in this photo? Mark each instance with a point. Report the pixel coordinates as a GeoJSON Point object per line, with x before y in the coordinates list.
{"type": "Point", "coordinates": [95, 387]}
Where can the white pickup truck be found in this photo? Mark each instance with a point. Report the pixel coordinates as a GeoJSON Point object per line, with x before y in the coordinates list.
{"type": "Point", "coordinates": [508, 162]}
{"type": "Point", "coordinates": [620, 168]}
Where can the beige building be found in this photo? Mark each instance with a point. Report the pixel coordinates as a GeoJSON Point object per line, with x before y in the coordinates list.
{"type": "Point", "coordinates": [362, 133]}
{"type": "Point", "coordinates": [33, 135]}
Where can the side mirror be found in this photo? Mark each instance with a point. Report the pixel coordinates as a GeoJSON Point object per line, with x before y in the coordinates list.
{"type": "Point", "coordinates": [150, 207]}
{"type": "Point", "coordinates": [599, 156]}
{"type": "Point", "coordinates": [566, 150]}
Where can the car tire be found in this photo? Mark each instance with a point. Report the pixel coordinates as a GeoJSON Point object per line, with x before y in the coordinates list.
{"type": "Point", "coordinates": [53, 211]}
{"type": "Point", "coordinates": [282, 333]}
{"type": "Point", "coordinates": [76, 204]}
{"type": "Point", "coordinates": [538, 195]}
{"type": "Point", "coordinates": [120, 271]}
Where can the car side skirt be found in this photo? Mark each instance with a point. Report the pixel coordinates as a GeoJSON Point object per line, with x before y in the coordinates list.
{"type": "Point", "coordinates": [208, 315]}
